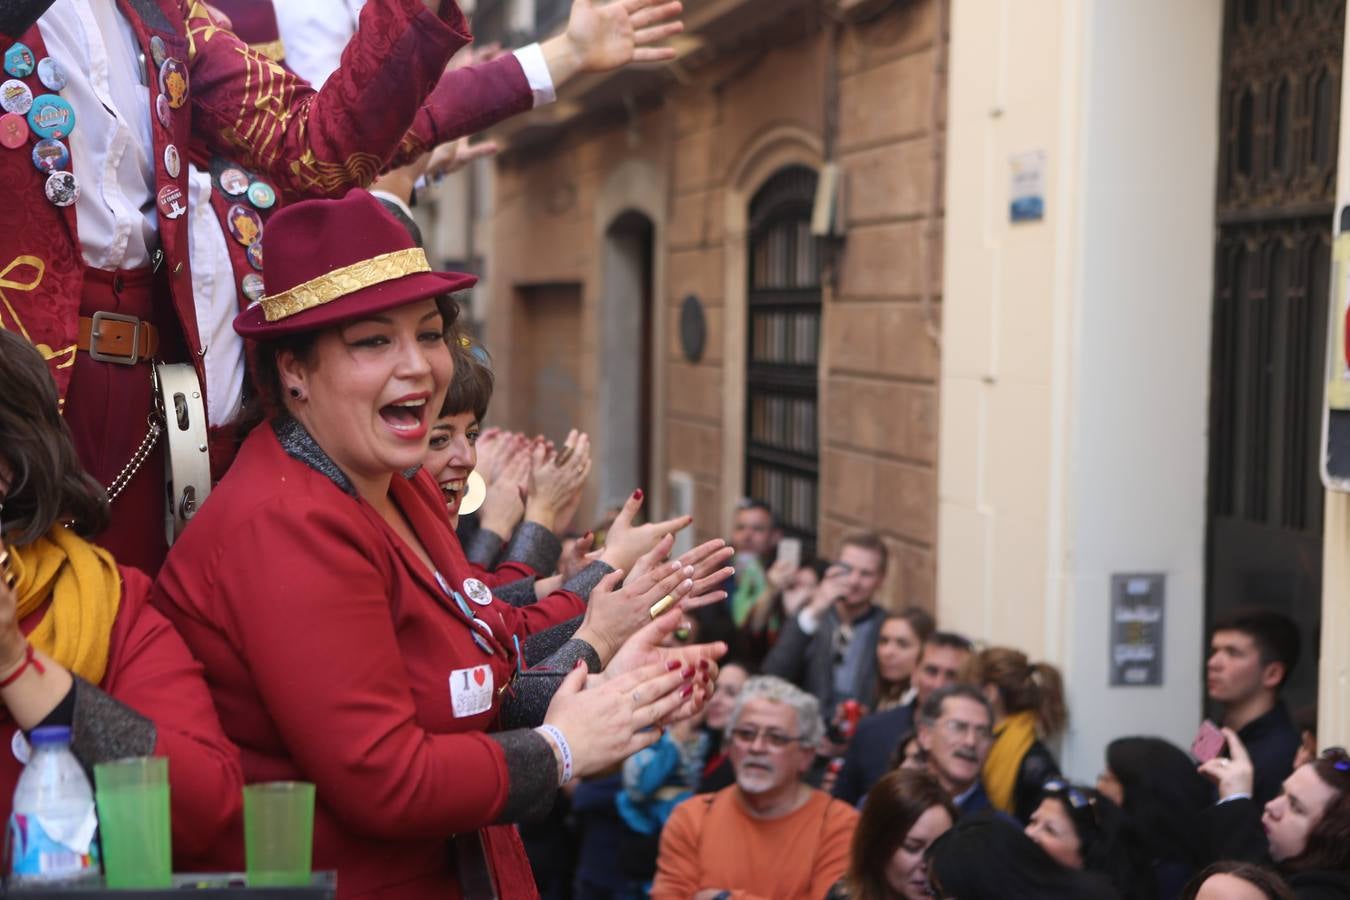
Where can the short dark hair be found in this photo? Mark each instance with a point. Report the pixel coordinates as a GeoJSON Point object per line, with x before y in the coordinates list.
{"type": "Point", "coordinates": [758, 505]}
{"type": "Point", "coordinates": [471, 386]}
{"type": "Point", "coordinates": [1328, 845]}
{"type": "Point", "coordinates": [867, 540]}
{"type": "Point", "coordinates": [932, 707]}
{"type": "Point", "coordinates": [1275, 635]}
{"type": "Point", "coordinates": [47, 482]}
{"type": "Point", "coordinates": [949, 639]}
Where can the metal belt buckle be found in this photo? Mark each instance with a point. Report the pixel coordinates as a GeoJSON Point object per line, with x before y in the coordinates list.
{"type": "Point", "coordinates": [128, 359]}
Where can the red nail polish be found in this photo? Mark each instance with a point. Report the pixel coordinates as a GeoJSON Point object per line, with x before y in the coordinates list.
{"type": "Point", "coordinates": [703, 665]}
{"type": "Point", "coordinates": [672, 665]}
{"type": "Point", "coordinates": [688, 673]}
{"type": "Point", "coordinates": [637, 495]}
{"type": "Point", "coordinates": [686, 690]}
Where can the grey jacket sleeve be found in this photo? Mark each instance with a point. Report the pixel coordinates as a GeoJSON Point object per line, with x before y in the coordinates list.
{"type": "Point", "coordinates": [483, 548]}
{"type": "Point", "coordinates": [533, 772]}
{"type": "Point", "coordinates": [103, 729]}
{"type": "Point", "coordinates": [531, 691]}
{"type": "Point", "coordinates": [535, 546]}
{"type": "Point", "coordinates": [787, 659]}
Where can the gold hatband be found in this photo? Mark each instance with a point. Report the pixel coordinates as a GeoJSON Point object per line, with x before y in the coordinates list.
{"type": "Point", "coordinates": [344, 281]}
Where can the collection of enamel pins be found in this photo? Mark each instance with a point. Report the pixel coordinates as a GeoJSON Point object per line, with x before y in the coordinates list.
{"type": "Point", "coordinates": [34, 110]}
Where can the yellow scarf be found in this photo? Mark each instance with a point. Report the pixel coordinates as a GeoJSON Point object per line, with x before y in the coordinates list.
{"type": "Point", "coordinates": [85, 589]}
{"type": "Point", "coordinates": [1012, 739]}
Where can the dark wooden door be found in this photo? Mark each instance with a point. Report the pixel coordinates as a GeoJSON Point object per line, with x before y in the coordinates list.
{"type": "Point", "coordinates": [782, 450]}
{"type": "Point", "coordinates": [1279, 121]}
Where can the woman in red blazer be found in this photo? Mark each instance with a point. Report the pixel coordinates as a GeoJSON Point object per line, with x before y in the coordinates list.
{"type": "Point", "coordinates": [344, 639]}
{"type": "Point", "coordinates": [79, 644]}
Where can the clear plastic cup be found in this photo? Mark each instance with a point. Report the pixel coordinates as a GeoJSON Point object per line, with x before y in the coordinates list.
{"type": "Point", "coordinates": [279, 832]}
{"type": "Point", "coordinates": [133, 815]}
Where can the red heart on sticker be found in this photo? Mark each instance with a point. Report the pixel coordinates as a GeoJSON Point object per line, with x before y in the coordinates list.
{"type": "Point", "coordinates": [479, 675]}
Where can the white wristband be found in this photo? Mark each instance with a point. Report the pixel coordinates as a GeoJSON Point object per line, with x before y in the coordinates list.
{"type": "Point", "coordinates": [551, 732]}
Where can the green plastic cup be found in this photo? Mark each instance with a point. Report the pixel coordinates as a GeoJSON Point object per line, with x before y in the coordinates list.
{"type": "Point", "coordinates": [279, 832]}
{"type": "Point", "coordinates": [133, 816]}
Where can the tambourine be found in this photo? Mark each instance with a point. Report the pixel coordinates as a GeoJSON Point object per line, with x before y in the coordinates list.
{"type": "Point", "coordinates": [187, 460]}
{"type": "Point", "coordinates": [475, 492]}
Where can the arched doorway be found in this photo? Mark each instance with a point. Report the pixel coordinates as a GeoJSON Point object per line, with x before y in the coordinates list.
{"type": "Point", "coordinates": [623, 443]}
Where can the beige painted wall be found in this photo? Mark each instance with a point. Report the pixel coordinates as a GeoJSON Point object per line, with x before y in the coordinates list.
{"type": "Point", "coordinates": [1075, 367]}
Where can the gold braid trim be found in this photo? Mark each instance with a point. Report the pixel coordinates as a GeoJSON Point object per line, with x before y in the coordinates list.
{"type": "Point", "coordinates": [343, 281]}
{"type": "Point", "coordinates": [273, 50]}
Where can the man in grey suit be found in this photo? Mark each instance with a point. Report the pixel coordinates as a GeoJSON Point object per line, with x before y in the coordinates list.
{"type": "Point", "coordinates": [830, 647]}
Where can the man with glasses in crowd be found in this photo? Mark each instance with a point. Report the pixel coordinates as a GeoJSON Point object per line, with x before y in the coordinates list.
{"type": "Point", "coordinates": [770, 834]}
{"type": "Point", "coordinates": [870, 752]}
{"type": "Point", "coordinates": [956, 730]}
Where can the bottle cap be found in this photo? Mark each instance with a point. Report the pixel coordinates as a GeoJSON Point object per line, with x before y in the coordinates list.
{"type": "Point", "coordinates": [50, 736]}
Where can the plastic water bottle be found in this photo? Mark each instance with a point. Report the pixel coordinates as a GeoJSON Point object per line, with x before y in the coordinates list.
{"type": "Point", "coordinates": [52, 826]}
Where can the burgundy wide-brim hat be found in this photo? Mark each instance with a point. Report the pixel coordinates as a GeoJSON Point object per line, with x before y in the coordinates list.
{"type": "Point", "coordinates": [332, 261]}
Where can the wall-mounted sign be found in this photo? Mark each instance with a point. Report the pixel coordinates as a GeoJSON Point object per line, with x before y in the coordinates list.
{"type": "Point", "coordinates": [693, 328]}
{"type": "Point", "coordinates": [1026, 190]}
{"type": "Point", "coordinates": [1137, 630]}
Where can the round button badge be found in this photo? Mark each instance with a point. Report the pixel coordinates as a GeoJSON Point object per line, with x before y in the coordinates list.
{"type": "Point", "coordinates": [477, 592]}
{"type": "Point", "coordinates": [13, 131]}
{"type": "Point", "coordinates": [255, 257]}
{"type": "Point", "coordinates": [171, 201]}
{"type": "Point", "coordinates": [16, 97]}
{"type": "Point", "coordinates": [261, 195]}
{"type": "Point", "coordinates": [252, 285]}
{"type": "Point", "coordinates": [19, 61]}
{"type": "Point", "coordinates": [50, 73]}
{"type": "Point", "coordinates": [158, 52]}
{"type": "Point", "coordinates": [50, 155]}
{"type": "Point", "coordinates": [62, 188]}
{"type": "Point", "coordinates": [51, 117]}
{"type": "Point", "coordinates": [233, 181]}
{"type": "Point", "coordinates": [173, 163]}
{"type": "Point", "coordinates": [163, 111]}
{"type": "Point", "coordinates": [244, 223]}
{"type": "Point", "coordinates": [173, 81]}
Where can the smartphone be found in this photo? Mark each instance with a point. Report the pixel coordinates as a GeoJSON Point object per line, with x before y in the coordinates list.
{"type": "Point", "coordinates": [790, 549]}
{"type": "Point", "coordinates": [1209, 741]}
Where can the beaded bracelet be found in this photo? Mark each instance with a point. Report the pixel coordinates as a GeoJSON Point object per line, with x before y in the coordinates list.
{"type": "Point", "coordinates": [552, 732]}
{"type": "Point", "coordinates": [29, 659]}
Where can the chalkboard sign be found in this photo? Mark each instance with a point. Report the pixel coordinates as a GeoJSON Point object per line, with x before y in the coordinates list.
{"type": "Point", "coordinates": [1137, 630]}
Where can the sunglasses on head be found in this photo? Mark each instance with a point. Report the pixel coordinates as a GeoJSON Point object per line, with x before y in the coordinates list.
{"type": "Point", "coordinates": [1339, 759]}
{"type": "Point", "coordinates": [1078, 801]}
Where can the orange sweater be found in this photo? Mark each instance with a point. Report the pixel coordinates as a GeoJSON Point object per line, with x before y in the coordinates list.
{"type": "Point", "coordinates": [710, 841]}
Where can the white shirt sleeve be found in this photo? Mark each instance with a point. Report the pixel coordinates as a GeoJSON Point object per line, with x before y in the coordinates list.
{"type": "Point", "coordinates": [531, 59]}
{"type": "Point", "coordinates": [807, 621]}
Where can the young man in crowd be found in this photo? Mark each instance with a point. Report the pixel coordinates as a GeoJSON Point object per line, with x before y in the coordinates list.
{"type": "Point", "coordinates": [956, 730]}
{"type": "Point", "coordinates": [755, 534]}
{"type": "Point", "coordinates": [874, 744]}
{"type": "Point", "coordinates": [1251, 655]}
{"type": "Point", "coordinates": [769, 834]}
{"type": "Point", "coordinates": [830, 646]}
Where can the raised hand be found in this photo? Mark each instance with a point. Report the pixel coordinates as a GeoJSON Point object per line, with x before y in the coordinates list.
{"type": "Point", "coordinates": [615, 613]}
{"type": "Point", "coordinates": [626, 542]}
{"type": "Point", "coordinates": [1232, 774]}
{"type": "Point", "coordinates": [556, 481]}
{"type": "Point", "coordinates": [605, 36]}
{"type": "Point", "coordinates": [607, 720]}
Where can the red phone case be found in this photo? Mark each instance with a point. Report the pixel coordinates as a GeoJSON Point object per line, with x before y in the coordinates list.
{"type": "Point", "coordinates": [1209, 740]}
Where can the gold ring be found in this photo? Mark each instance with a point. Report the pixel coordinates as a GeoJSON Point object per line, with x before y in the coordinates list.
{"type": "Point", "coordinates": [662, 605]}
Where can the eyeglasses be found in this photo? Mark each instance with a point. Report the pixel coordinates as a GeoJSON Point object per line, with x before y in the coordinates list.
{"type": "Point", "coordinates": [1339, 759]}
{"type": "Point", "coordinates": [776, 740]}
{"type": "Point", "coordinates": [961, 730]}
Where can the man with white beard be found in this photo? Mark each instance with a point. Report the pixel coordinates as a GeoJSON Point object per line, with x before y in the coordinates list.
{"type": "Point", "coordinates": [770, 834]}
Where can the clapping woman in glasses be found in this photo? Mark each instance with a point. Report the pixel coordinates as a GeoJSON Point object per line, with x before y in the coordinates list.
{"type": "Point", "coordinates": [79, 644]}
{"type": "Point", "coordinates": [1304, 831]}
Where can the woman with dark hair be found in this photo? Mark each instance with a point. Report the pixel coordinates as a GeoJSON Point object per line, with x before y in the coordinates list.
{"type": "Point", "coordinates": [79, 644]}
{"type": "Point", "coordinates": [1081, 829]}
{"type": "Point", "coordinates": [345, 639]}
{"type": "Point", "coordinates": [899, 641]}
{"type": "Point", "coordinates": [1231, 880]}
{"type": "Point", "coordinates": [1304, 831]}
{"type": "Point", "coordinates": [1162, 795]}
{"type": "Point", "coordinates": [1028, 703]}
{"type": "Point", "coordinates": [905, 812]}
{"type": "Point", "coordinates": [986, 857]}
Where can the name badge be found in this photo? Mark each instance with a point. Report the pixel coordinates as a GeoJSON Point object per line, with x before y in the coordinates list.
{"type": "Point", "coordinates": [471, 691]}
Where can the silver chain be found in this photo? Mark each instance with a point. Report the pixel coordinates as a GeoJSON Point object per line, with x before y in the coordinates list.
{"type": "Point", "coordinates": [137, 460]}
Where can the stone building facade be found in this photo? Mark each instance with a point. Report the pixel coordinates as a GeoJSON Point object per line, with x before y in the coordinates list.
{"type": "Point", "coordinates": [700, 180]}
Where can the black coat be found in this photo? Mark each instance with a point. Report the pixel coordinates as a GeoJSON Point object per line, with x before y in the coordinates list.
{"type": "Point", "coordinates": [1038, 767]}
